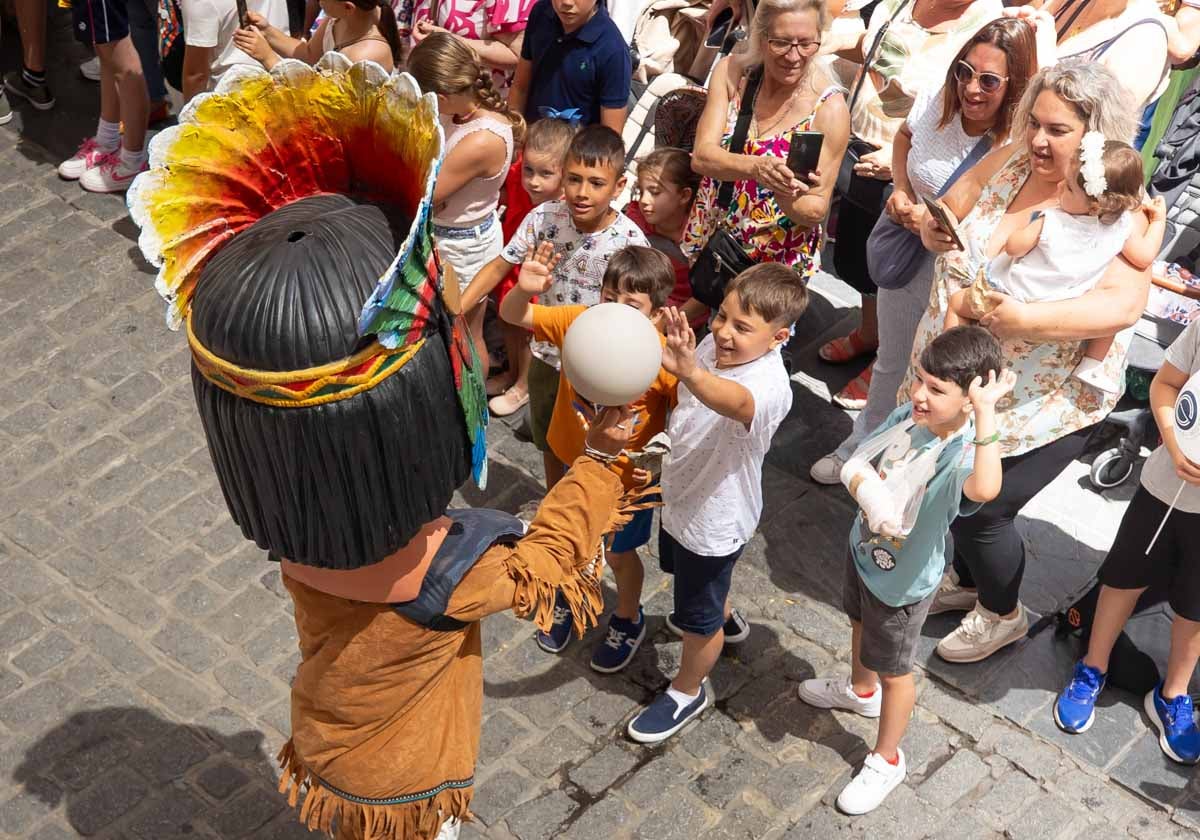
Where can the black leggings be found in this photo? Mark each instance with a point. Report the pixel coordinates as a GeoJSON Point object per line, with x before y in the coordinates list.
{"type": "Point", "coordinates": [989, 554]}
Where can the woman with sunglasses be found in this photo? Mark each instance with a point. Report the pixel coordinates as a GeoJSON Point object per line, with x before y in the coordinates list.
{"type": "Point", "coordinates": [908, 45]}
{"type": "Point", "coordinates": [975, 105]}
{"type": "Point", "coordinates": [775, 214]}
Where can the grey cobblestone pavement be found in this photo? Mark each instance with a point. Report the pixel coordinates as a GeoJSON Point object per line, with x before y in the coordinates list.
{"type": "Point", "coordinates": [147, 648]}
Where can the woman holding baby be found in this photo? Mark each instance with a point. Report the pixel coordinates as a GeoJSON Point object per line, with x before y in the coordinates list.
{"type": "Point", "coordinates": [1045, 422]}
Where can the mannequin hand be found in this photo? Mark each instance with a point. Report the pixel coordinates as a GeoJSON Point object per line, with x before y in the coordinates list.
{"type": "Point", "coordinates": [610, 429]}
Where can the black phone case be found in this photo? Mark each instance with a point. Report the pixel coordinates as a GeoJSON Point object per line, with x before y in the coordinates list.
{"type": "Point", "coordinates": [241, 13]}
{"type": "Point", "coordinates": [805, 153]}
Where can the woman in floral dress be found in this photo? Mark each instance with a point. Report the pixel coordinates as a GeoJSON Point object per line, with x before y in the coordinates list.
{"type": "Point", "coordinates": [1046, 420]}
{"type": "Point", "coordinates": [774, 215]}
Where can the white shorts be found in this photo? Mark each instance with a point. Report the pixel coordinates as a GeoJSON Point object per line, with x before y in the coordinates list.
{"type": "Point", "coordinates": [469, 249]}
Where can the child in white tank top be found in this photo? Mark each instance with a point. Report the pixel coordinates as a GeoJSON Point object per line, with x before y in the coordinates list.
{"type": "Point", "coordinates": [1064, 251]}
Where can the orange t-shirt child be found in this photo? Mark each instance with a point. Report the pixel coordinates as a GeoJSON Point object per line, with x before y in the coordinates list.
{"type": "Point", "coordinates": [566, 435]}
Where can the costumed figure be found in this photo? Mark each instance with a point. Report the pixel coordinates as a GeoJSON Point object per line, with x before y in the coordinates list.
{"type": "Point", "coordinates": [343, 405]}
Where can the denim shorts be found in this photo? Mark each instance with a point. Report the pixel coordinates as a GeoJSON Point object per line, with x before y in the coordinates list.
{"type": "Point", "coordinates": [636, 532]}
{"type": "Point", "coordinates": [701, 584]}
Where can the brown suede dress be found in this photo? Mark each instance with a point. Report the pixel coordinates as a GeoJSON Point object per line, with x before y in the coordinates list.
{"type": "Point", "coordinates": [386, 713]}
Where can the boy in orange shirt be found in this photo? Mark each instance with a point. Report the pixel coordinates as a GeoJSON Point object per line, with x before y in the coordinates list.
{"type": "Point", "coordinates": [643, 278]}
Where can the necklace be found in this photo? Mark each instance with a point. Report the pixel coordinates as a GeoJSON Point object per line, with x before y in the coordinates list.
{"type": "Point", "coordinates": [784, 112]}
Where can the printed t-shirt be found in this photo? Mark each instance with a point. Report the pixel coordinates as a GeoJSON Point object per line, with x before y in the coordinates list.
{"type": "Point", "coordinates": [904, 572]}
{"type": "Point", "coordinates": [712, 479]}
{"type": "Point", "coordinates": [583, 258]}
{"type": "Point", "coordinates": [566, 435]}
{"type": "Point", "coordinates": [1158, 473]}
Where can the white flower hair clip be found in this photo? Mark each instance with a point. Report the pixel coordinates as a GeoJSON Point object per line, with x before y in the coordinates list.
{"type": "Point", "coordinates": [1091, 164]}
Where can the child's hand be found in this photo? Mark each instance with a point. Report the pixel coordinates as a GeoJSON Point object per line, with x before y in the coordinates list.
{"type": "Point", "coordinates": [987, 395]}
{"type": "Point", "coordinates": [1155, 209]}
{"type": "Point", "coordinates": [253, 43]}
{"type": "Point", "coordinates": [1185, 469]}
{"type": "Point", "coordinates": [537, 272]}
{"type": "Point", "coordinates": [641, 477]}
{"type": "Point", "coordinates": [254, 19]}
{"type": "Point", "coordinates": [679, 356]}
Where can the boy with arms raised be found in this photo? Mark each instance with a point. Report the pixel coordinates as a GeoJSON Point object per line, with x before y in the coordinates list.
{"type": "Point", "coordinates": [892, 571]}
{"type": "Point", "coordinates": [733, 393]}
{"type": "Point", "coordinates": [643, 278]}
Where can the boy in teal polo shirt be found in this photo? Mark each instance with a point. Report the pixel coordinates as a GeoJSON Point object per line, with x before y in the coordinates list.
{"type": "Point", "coordinates": [892, 576]}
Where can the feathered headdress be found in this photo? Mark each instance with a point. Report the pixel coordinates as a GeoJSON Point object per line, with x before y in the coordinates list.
{"type": "Point", "coordinates": [262, 141]}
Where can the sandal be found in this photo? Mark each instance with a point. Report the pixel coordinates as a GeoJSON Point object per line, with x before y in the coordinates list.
{"type": "Point", "coordinates": [846, 349]}
{"type": "Point", "coordinates": [854, 395]}
{"type": "Point", "coordinates": [510, 402]}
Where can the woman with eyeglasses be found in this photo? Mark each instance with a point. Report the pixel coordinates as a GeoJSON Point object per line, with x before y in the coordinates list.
{"type": "Point", "coordinates": [975, 105]}
{"type": "Point", "coordinates": [775, 214]}
{"type": "Point", "coordinates": [908, 45]}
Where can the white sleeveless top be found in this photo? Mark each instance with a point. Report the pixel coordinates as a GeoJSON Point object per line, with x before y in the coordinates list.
{"type": "Point", "coordinates": [477, 199]}
{"type": "Point", "coordinates": [1070, 257]}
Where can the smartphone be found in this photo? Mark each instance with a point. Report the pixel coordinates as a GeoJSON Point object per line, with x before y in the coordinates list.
{"type": "Point", "coordinates": [241, 13]}
{"type": "Point", "coordinates": [805, 152]}
{"type": "Point", "coordinates": [945, 221]}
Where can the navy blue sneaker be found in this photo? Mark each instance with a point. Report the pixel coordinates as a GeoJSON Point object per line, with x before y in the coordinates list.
{"type": "Point", "coordinates": [1176, 724]}
{"type": "Point", "coordinates": [560, 632]}
{"type": "Point", "coordinates": [620, 644]}
{"type": "Point", "coordinates": [663, 718]}
{"type": "Point", "coordinates": [1075, 709]}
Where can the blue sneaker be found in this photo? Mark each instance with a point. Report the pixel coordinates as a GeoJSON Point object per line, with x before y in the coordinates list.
{"type": "Point", "coordinates": [560, 632]}
{"type": "Point", "coordinates": [623, 639]}
{"type": "Point", "coordinates": [663, 718]}
{"type": "Point", "coordinates": [1176, 724]}
{"type": "Point", "coordinates": [1075, 709]}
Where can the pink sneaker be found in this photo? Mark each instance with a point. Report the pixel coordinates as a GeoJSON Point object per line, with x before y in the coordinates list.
{"type": "Point", "coordinates": [111, 176]}
{"type": "Point", "coordinates": [89, 156]}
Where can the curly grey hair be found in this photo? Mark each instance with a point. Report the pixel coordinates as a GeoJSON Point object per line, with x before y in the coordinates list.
{"type": "Point", "coordinates": [1094, 91]}
{"type": "Point", "coordinates": [766, 12]}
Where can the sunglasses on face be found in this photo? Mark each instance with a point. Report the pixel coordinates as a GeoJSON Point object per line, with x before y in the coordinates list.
{"type": "Point", "coordinates": [988, 82]}
{"type": "Point", "coordinates": [782, 46]}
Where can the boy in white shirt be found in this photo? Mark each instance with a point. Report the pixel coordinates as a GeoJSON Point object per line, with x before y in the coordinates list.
{"type": "Point", "coordinates": [733, 393]}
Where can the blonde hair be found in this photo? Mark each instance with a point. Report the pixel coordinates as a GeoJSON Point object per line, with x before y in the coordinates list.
{"type": "Point", "coordinates": [768, 11]}
{"type": "Point", "coordinates": [444, 63]}
{"type": "Point", "coordinates": [1092, 90]}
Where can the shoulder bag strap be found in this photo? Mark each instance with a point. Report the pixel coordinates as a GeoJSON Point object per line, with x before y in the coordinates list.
{"type": "Point", "coordinates": [870, 54]}
{"type": "Point", "coordinates": [741, 128]}
{"type": "Point", "coordinates": [1105, 46]}
{"type": "Point", "coordinates": [1061, 31]}
{"type": "Point", "coordinates": [973, 157]}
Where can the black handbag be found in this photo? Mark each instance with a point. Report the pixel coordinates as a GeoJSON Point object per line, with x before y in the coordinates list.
{"type": "Point", "coordinates": [868, 193]}
{"type": "Point", "coordinates": [723, 257]}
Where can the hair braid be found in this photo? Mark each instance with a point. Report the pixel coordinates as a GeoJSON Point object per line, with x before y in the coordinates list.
{"type": "Point", "coordinates": [490, 98]}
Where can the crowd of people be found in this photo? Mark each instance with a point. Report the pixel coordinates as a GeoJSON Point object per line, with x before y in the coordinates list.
{"type": "Point", "coordinates": [978, 181]}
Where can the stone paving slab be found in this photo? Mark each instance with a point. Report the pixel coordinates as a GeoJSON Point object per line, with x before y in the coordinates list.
{"type": "Point", "coordinates": [148, 649]}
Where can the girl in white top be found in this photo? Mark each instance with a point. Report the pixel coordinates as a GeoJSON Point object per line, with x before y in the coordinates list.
{"type": "Point", "coordinates": [361, 30]}
{"type": "Point", "coordinates": [481, 131]}
{"type": "Point", "coordinates": [1063, 252]}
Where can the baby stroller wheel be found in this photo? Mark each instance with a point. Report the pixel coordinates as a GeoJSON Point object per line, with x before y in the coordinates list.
{"type": "Point", "coordinates": [1111, 468]}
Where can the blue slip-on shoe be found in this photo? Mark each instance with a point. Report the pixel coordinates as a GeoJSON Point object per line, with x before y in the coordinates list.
{"type": "Point", "coordinates": [560, 632]}
{"type": "Point", "coordinates": [663, 717]}
{"type": "Point", "coordinates": [619, 644]}
{"type": "Point", "coordinates": [1175, 721]}
{"type": "Point", "coordinates": [1075, 709]}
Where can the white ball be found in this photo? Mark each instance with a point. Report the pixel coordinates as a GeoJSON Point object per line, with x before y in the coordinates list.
{"type": "Point", "coordinates": [1187, 421]}
{"type": "Point", "coordinates": [611, 354]}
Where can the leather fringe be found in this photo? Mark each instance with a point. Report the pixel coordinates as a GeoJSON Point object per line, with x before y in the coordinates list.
{"type": "Point", "coordinates": [323, 810]}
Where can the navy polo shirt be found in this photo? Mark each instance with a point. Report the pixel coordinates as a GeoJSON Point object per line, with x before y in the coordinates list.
{"type": "Point", "coordinates": [587, 69]}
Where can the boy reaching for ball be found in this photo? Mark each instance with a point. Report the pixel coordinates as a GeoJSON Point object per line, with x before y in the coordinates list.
{"type": "Point", "coordinates": [642, 278]}
{"type": "Point", "coordinates": [733, 393]}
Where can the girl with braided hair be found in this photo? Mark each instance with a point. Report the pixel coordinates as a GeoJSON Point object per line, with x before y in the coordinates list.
{"type": "Point", "coordinates": [361, 30]}
{"type": "Point", "coordinates": [481, 131]}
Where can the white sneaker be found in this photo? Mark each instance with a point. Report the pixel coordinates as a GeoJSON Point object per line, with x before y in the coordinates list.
{"type": "Point", "coordinates": [951, 595]}
{"type": "Point", "coordinates": [89, 155]}
{"type": "Point", "coordinates": [870, 787]}
{"type": "Point", "coordinates": [111, 176]}
{"type": "Point", "coordinates": [981, 634]}
{"type": "Point", "coordinates": [828, 470]}
{"type": "Point", "coordinates": [837, 694]}
{"type": "Point", "coordinates": [90, 69]}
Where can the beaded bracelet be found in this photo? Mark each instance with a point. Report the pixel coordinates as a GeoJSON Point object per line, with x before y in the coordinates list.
{"type": "Point", "coordinates": [992, 438]}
